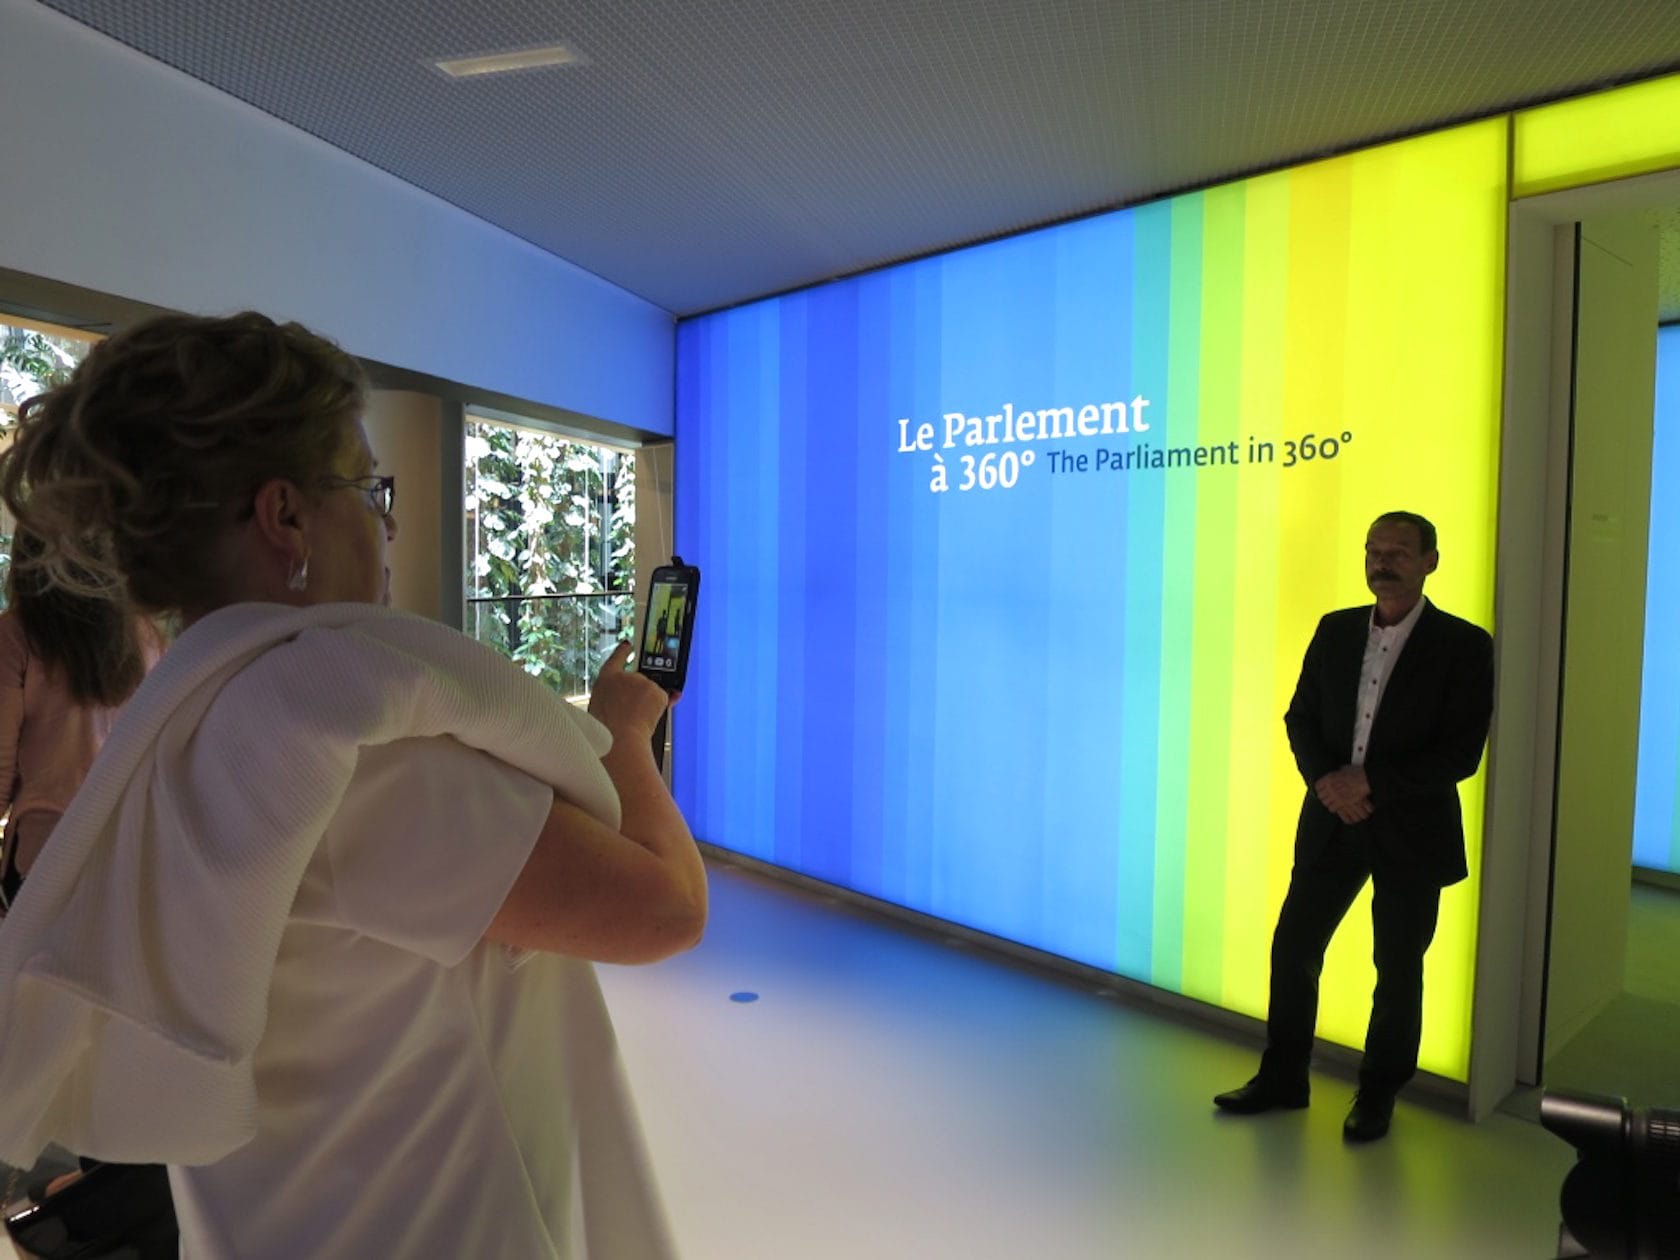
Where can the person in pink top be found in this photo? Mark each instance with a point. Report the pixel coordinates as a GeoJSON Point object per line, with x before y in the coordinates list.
{"type": "Point", "coordinates": [67, 664]}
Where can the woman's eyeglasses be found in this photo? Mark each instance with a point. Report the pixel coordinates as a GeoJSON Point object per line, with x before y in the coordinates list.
{"type": "Point", "coordinates": [381, 491]}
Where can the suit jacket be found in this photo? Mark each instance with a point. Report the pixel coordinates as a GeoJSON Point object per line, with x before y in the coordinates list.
{"type": "Point", "coordinates": [1427, 737]}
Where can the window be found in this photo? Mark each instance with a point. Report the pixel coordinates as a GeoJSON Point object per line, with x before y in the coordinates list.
{"type": "Point", "coordinates": [549, 549]}
{"type": "Point", "coordinates": [33, 358]}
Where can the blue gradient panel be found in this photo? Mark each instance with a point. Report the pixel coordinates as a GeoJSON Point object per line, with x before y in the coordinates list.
{"type": "Point", "coordinates": [855, 621]}
{"type": "Point", "coordinates": [994, 675]}
{"type": "Point", "coordinates": [1656, 810]}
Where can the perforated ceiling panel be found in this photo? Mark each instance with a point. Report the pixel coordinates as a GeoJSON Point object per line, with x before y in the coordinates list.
{"type": "Point", "coordinates": [709, 152]}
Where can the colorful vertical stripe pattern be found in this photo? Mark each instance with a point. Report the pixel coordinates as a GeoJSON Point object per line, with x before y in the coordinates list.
{"type": "Point", "coordinates": [1656, 805]}
{"type": "Point", "coordinates": [1052, 711]}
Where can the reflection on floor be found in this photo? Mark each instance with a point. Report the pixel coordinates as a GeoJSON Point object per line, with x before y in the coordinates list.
{"type": "Point", "coordinates": [1632, 1048]}
{"type": "Point", "coordinates": [891, 1095]}
{"type": "Point", "coordinates": [1653, 948]}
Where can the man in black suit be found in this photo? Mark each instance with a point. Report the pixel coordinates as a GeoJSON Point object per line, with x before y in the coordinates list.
{"type": "Point", "coordinates": [1390, 714]}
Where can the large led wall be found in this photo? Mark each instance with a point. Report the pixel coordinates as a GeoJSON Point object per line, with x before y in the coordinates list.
{"type": "Point", "coordinates": [1011, 556]}
{"type": "Point", "coordinates": [1656, 809]}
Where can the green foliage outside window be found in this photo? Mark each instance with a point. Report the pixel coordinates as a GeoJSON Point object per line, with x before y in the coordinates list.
{"type": "Point", "coordinates": [30, 363]}
{"type": "Point", "coordinates": [549, 549]}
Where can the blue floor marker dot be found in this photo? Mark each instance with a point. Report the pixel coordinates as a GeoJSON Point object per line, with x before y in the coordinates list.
{"type": "Point", "coordinates": [744, 995]}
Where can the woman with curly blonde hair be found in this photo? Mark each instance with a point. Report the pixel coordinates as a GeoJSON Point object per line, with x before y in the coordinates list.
{"type": "Point", "coordinates": [316, 931]}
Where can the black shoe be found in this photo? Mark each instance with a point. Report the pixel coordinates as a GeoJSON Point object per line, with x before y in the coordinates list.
{"type": "Point", "coordinates": [1260, 1095]}
{"type": "Point", "coordinates": [1368, 1118]}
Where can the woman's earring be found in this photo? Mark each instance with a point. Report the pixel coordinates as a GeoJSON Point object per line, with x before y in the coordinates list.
{"type": "Point", "coordinates": [299, 580]}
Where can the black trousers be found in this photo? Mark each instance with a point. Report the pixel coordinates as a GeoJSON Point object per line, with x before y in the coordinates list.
{"type": "Point", "coordinates": [1404, 908]}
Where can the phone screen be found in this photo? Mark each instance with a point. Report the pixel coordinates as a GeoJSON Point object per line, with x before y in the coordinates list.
{"type": "Point", "coordinates": [662, 636]}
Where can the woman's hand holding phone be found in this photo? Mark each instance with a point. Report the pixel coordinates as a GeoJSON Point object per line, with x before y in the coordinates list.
{"type": "Point", "coordinates": [625, 702]}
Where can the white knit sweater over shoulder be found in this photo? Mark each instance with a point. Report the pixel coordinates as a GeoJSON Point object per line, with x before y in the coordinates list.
{"type": "Point", "coordinates": [135, 967]}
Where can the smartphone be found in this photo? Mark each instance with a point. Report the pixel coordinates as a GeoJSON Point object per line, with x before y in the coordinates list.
{"type": "Point", "coordinates": [668, 624]}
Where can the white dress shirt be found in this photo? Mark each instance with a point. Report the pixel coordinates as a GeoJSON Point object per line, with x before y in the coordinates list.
{"type": "Point", "coordinates": [1382, 649]}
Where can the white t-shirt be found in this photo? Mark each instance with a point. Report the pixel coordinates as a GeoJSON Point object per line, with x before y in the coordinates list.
{"type": "Point", "coordinates": [422, 1093]}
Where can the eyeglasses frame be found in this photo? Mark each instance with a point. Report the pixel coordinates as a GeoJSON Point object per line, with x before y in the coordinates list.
{"type": "Point", "coordinates": [376, 486]}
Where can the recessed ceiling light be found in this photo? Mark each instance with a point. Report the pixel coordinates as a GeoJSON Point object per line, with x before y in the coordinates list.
{"type": "Point", "coordinates": [497, 63]}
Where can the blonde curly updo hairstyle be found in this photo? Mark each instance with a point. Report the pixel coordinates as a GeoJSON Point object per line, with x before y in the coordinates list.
{"type": "Point", "coordinates": [133, 471]}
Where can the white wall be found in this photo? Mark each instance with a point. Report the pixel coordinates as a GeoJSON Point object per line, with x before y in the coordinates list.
{"type": "Point", "coordinates": [404, 429]}
{"type": "Point", "coordinates": [1518, 878]}
{"type": "Point", "coordinates": [1533, 489]}
{"type": "Point", "coordinates": [1615, 367]}
{"type": "Point", "coordinates": [124, 176]}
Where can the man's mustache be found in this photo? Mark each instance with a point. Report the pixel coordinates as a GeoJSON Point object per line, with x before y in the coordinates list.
{"type": "Point", "coordinates": [1384, 575]}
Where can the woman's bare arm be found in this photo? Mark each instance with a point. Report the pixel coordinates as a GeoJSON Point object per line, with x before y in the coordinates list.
{"type": "Point", "coordinates": [633, 895]}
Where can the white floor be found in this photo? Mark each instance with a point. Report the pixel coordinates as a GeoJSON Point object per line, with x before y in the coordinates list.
{"type": "Point", "coordinates": [891, 1095]}
{"type": "Point", "coordinates": [896, 1097]}
{"type": "Point", "coordinates": [1628, 1049]}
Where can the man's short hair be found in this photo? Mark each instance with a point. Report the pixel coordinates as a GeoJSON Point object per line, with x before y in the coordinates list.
{"type": "Point", "coordinates": [1426, 530]}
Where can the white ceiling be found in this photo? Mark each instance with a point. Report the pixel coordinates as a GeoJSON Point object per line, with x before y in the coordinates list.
{"type": "Point", "coordinates": [706, 152]}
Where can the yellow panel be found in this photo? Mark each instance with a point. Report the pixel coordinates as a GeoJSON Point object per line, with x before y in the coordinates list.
{"type": "Point", "coordinates": [1395, 330]}
{"type": "Point", "coordinates": [1631, 130]}
{"type": "Point", "coordinates": [1262, 773]}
